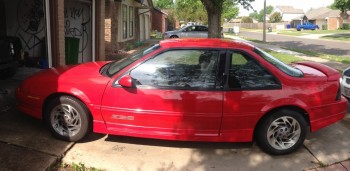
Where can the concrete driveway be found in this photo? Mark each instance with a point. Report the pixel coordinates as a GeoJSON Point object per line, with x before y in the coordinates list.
{"type": "Point", "coordinates": [25, 144]}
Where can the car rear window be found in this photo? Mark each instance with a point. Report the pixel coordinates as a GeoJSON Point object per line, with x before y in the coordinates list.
{"type": "Point", "coordinates": [287, 69]}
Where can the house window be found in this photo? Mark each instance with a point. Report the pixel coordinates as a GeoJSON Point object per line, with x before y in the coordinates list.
{"type": "Point", "coordinates": [131, 21]}
{"type": "Point", "coordinates": [125, 21]}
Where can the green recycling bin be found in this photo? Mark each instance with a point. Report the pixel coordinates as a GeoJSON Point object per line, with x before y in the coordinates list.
{"type": "Point", "coordinates": [72, 50]}
{"type": "Point", "coordinates": [269, 29]}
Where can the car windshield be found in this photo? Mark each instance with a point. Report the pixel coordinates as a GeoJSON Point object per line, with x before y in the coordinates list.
{"type": "Point", "coordinates": [116, 66]}
{"type": "Point", "coordinates": [289, 70]}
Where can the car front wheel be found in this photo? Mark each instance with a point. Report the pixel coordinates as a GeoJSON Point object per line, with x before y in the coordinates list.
{"type": "Point", "coordinates": [282, 132]}
{"type": "Point", "coordinates": [67, 118]}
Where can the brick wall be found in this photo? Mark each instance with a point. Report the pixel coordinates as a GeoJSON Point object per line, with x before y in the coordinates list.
{"type": "Point", "coordinates": [332, 23]}
{"type": "Point", "coordinates": [100, 53]}
{"type": "Point", "coordinates": [57, 32]}
{"type": "Point", "coordinates": [111, 27]}
{"type": "Point", "coordinates": [157, 21]}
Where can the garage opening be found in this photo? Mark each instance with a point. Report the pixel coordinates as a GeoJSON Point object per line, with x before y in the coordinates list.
{"type": "Point", "coordinates": [25, 20]}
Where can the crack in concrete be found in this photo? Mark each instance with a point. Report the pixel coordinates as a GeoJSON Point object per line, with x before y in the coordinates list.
{"type": "Point", "coordinates": [319, 162]}
{"type": "Point", "coordinates": [344, 166]}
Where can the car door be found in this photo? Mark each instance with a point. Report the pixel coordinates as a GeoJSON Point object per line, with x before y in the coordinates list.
{"type": "Point", "coordinates": [203, 31]}
{"type": "Point", "coordinates": [249, 87]}
{"type": "Point", "coordinates": [186, 32]}
{"type": "Point", "coordinates": [173, 97]}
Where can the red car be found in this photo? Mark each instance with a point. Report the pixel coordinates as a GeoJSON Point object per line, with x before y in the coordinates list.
{"type": "Point", "coordinates": [193, 89]}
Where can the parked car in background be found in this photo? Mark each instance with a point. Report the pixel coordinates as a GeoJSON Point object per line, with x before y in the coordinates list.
{"type": "Point", "coordinates": [10, 52]}
{"type": "Point", "coordinates": [214, 90]}
{"type": "Point", "coordinates": [194, 31]}
{"type": "Point", "coordinates": [307, 26]}
{"type": "Point", "coordinates": [345, 83]}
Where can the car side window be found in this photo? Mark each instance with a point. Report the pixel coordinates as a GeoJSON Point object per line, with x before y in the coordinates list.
{"type": "Point", "coordinates": [201, 28]}
{"type": "Point", "coordinates": [191, 28]}
{"type": "Point", "coordinates": [179, 69]}
{"type": "Point", "coordinates": [246, 74]}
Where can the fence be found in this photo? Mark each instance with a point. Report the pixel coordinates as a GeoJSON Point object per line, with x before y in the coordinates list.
{"type": "Point", "coordinates": [256, 25]}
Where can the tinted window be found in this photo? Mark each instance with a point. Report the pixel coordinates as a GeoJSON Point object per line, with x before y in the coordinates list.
{"type": "Point", "coordinates": [245, 73]}
{"type": "Point", "coordinates": [179, 69]}
{"type": "Point", "coordinates": [201, 28]}
{"type": "Point", "coordinates": [190, 28]}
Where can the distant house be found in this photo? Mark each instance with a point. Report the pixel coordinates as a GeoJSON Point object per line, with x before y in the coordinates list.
{"type": "Point", "coordinates": [159, 20]}
{"type": "Point", "coordinates": [325, 18]}
{"type": "Point", "coordinates": [236, 20]}
{"type": "Point", "coordinates": [126, 22]}
{"type": "Point", "coordinates": [288, 13]}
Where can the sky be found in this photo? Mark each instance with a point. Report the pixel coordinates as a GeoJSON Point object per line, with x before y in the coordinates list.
{"type": "Point", "coordinates": [300, 4]}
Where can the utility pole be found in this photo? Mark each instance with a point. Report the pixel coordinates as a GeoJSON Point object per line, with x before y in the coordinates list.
{"type": "Point", "coordinates": [264, 24]}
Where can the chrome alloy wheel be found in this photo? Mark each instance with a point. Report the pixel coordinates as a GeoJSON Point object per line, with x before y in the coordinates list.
{"type": "Point", "coordinates": [283, 133]}
{"type": "Point", "coordinates": [65, 120]}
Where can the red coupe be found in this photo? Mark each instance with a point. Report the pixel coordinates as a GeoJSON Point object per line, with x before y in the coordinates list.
{"type": "Point", "coordinates": [193, 89]}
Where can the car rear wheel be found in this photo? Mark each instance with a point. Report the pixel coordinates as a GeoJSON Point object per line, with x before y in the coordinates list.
{"type": "Point", "coordinates": [172, 37]}
{"type": "Point", "coordinates": [67, 118]}
{"type": "Point", "coordinates": [282, 132]}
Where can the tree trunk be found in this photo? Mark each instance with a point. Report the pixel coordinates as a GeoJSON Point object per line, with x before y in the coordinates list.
{"type": "Point", "coordinates": [214, 10]}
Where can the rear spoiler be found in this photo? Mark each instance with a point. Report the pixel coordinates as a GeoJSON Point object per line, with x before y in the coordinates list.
{"type": "Point", "coordinates": [332, 74]}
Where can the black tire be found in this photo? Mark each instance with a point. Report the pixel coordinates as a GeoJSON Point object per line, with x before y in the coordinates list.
{"type": "Point", "coordinates": [271, 131]}
{"type": "Point", "coordinates": [173, 37]}
{"type": "Point", "coordinates": [65, 110]}
{"type": "Point", "coordinates": [8, 73]}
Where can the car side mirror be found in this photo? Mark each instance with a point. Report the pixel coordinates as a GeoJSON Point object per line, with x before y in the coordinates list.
{"type": "Point", "coordinates": [126, 81]}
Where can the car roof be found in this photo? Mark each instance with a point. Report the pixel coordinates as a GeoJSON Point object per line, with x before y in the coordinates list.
{"type": "Point", "coordinates": [205, 43]}
{"type": "Point", "coordinates": [195, 25]}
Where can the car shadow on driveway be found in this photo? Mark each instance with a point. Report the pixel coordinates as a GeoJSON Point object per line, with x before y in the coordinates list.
{"type": "Point", "coordinates": [25, 142]}
{"type": "Point", "coordinates": [177, 144]}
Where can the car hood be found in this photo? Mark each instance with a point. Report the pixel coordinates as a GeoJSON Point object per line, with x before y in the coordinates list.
{"type": "Point", "coordinates": [317, 70]}
{"type": "Point", "coordinates": [72, 75]}
{"type": "Point", "coordinates": [81, 70]}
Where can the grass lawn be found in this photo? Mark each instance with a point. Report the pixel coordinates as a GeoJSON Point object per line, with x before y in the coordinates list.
{"type": "Point", "coordinates": [341, 59]}
{"type": "Point", "coordinates": [294, 32]}
{"type": "Point", "coordinates": [342, 36]}
{"type": "Point", "coordinates": [286, 58]}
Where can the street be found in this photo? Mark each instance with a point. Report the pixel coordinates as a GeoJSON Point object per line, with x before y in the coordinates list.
{"type": "Point", "coordinates": [26, 144]}
{"type": "Point", "coordinates": [317, 45]}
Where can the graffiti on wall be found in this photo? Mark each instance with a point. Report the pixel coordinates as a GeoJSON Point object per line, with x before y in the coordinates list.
{"type": "Point", "coordinates": [31, 25]}
{"type": "Point", "coordinates": [77, 24]}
